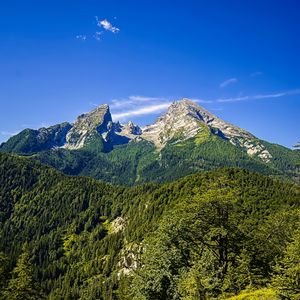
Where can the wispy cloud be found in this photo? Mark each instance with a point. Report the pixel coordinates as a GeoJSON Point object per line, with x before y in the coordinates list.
{"type": "Point", "coordinates": [135, 101]}
{"type": "Point", "coordinates": [260, 96]}
{"type": "Point", "coordinates": [198, 100]}
{"type": "Point", "coordinates": [81, 37]}
{"type": "Point", "coordinates": [228, 82]}
{"type": "Point", "coordinates": [146, 110]}
{"type": "Point", "coordinates": [107, 25]}
{"type": "Point", "coordinates": [137, 105]}
{"type": "Point", "coordinates": [103, 24]}
{"type": "Point", "coordinates": [133, 106]}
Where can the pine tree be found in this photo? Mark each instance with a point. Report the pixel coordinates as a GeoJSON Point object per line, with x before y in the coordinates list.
{"type": "Point", "coordinates": [22, 286]}
{"type": "Point", "coordinates": [287, 271]}
{"type": "Point", "coordinates": [3, 260]}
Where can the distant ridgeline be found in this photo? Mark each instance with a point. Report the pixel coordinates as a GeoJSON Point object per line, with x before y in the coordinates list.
{"type": "Point", "coordinates": [211, 235]}
{"type": "Point", "coordinates": [185, 140]}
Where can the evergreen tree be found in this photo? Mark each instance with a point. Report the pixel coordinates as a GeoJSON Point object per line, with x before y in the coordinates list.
{"type": "Point", "coordinates": [3, 260]}
{"type": "Point", "coordinates": [22, 286]}
{"type": "Point", "coordinates": [287, 278]}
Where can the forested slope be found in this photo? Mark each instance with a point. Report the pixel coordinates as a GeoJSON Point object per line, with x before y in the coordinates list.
{"type": "Point", "coordinates": [139, 162]}
{"type": "Point", "coordinates": [210, 235]}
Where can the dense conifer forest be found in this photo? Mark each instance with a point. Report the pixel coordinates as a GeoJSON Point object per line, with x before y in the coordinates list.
{"type": "Point", "coordinates": [140, 162]}
{"type": "Point", "coordinates": [222, 234]}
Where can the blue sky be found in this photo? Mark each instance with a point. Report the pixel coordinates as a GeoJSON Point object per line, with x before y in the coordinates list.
{"type": "Point", "coordinates": [239, 59]}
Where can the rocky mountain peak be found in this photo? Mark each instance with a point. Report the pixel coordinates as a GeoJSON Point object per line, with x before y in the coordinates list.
{"type": "Point", "coordinates": [98, 124]}
{"type": "Point", "coordinates": [94, 118]}
{"type": "Point", "coordinates": [181, 121]}
{"type": "Point", "coordinates": [98, 120]}
{"type": "Point", "coordinates": [192, 109]}
{"type": "Point", "coordinates": [186, 119]}
{"type": "Point", "coordinates": [131, 128]}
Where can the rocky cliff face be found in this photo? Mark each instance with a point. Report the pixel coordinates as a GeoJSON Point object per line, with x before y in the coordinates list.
{"type": "Point", "coordinates": [30, 141]}
{"type": "Point", "coordinates": [89, 125]}
{"type": "Point", "coordinates": [98, 124]}
{"type": "Point", "coordinates": [185, 119]}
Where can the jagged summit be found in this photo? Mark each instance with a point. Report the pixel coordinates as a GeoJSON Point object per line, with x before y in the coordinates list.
{"type": "Point", "coordinates": [84, 129]}
{"type": "Point", "coordinates": [186, 119]}
{"type": "Point", "coordinates": [183, 120]}
{"type": "Point", "coordinates": [186, 139]}
{"type": "Point", "coordinates": [98, 124]}
{"type": "Point", "coordinates": [179, 122]}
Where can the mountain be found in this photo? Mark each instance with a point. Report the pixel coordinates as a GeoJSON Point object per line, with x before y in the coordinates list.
{"type": "Point", "coordinates": [184, 140]}
{"type": "Point", "coordinates": [210, 235]}
{"type": "Point", "coordinates": [31, 141]}
{"type": "Point", "coordinates": [185, 119]}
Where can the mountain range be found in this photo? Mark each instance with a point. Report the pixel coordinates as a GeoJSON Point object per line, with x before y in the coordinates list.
{"type": "Point", "coordinates": [184, 140]}
{"type": "Point", "coordinates": [173, 232]}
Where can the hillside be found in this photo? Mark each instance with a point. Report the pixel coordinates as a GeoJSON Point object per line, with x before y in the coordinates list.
{"type": "Point", "coordinates": [209, 235]}
{"type": "Point", "coordinates": [185, 140]}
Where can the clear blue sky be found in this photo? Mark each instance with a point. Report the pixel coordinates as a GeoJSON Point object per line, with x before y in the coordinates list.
{"type": "Point", "coordinates": [241, 57]}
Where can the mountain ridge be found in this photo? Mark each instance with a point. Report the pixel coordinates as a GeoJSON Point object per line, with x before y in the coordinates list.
{"type": "Point", "coordinates": [182, 116]}
{"type": "Point", "coordinates": [184, 140]}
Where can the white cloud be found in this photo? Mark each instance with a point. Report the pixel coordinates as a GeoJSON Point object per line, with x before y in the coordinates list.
{"type": "Point", "coordinates": [233, 99]}
{"type": "Point", "coordinates": [81, 37]}
{"type": "Point", "coordinates": [124, 109]}
{"type": "Point", "coordinates": [260, 96]}
{"type": "Point", "coordinates": [107, 25]}
{"type": "Point", "coordinates": [201, 100]}
{"type": "Point", "coordinates": [137, 105]}
{"type": "Point", "coordinates": [228, 82]}
{"type": "Point", "coordinates": [134, 101]}
{"type": "Point", "coordinates": [146, 110]}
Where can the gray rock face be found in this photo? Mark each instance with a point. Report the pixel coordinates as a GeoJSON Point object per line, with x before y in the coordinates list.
{"type": "Point", "coordinates": [30, 141]}
{"type": "Point", "coordinates": [130, 130]}
{"type": "Point", "coordinates": [185, 119]}
{"type": "Point", "coordinates": [181, 121]}
{"type": "Point", "coordinates": [53, 136]}
{"type": "Point", "coordinates": [99, 120]}
{"type": "Point", "coordinates": [98, 124]}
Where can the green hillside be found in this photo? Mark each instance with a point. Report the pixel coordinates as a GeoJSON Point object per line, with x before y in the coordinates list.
{"type": "Point", "coordinates": [185, 140]}
{"type": "Point", "coordinates": [140, 162]}
{"type": "Point", "coordinates": [212, 235]}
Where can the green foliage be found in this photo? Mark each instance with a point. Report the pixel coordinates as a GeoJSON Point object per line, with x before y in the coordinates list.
{"type": "Point", "coordinates": [3, 262]}
{"type": "Point", "coordinates": [139, 161]}
{"type": "Point", "coordinates": [210, 235]}
{"type": "Point", "coordinates": [30, 141]}
{"type": "Point", "coordinates": [21, 285]}
{"type": "Point", "coordinates": [262, 294]}
{"type": "Point", "coordinates": [287, 271]}
{"type": "Point", "coordinates": [207, 246]}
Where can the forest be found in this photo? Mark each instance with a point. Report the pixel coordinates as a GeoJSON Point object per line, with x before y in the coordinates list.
{"type": "Point", "coordinates": [140, 162]}
{"type": "Point", "coordinates": [227, 233]}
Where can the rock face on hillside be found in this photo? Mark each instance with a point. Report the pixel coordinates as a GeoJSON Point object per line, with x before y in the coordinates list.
{"type": "Point", "coordinates": [89, 125]}
{"type": "Point", "coordinates": [30, 141]}
{"type": "Point", "coordinates": [98, 124]}
{"type": "Point", "coordinates": [183, 120]}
